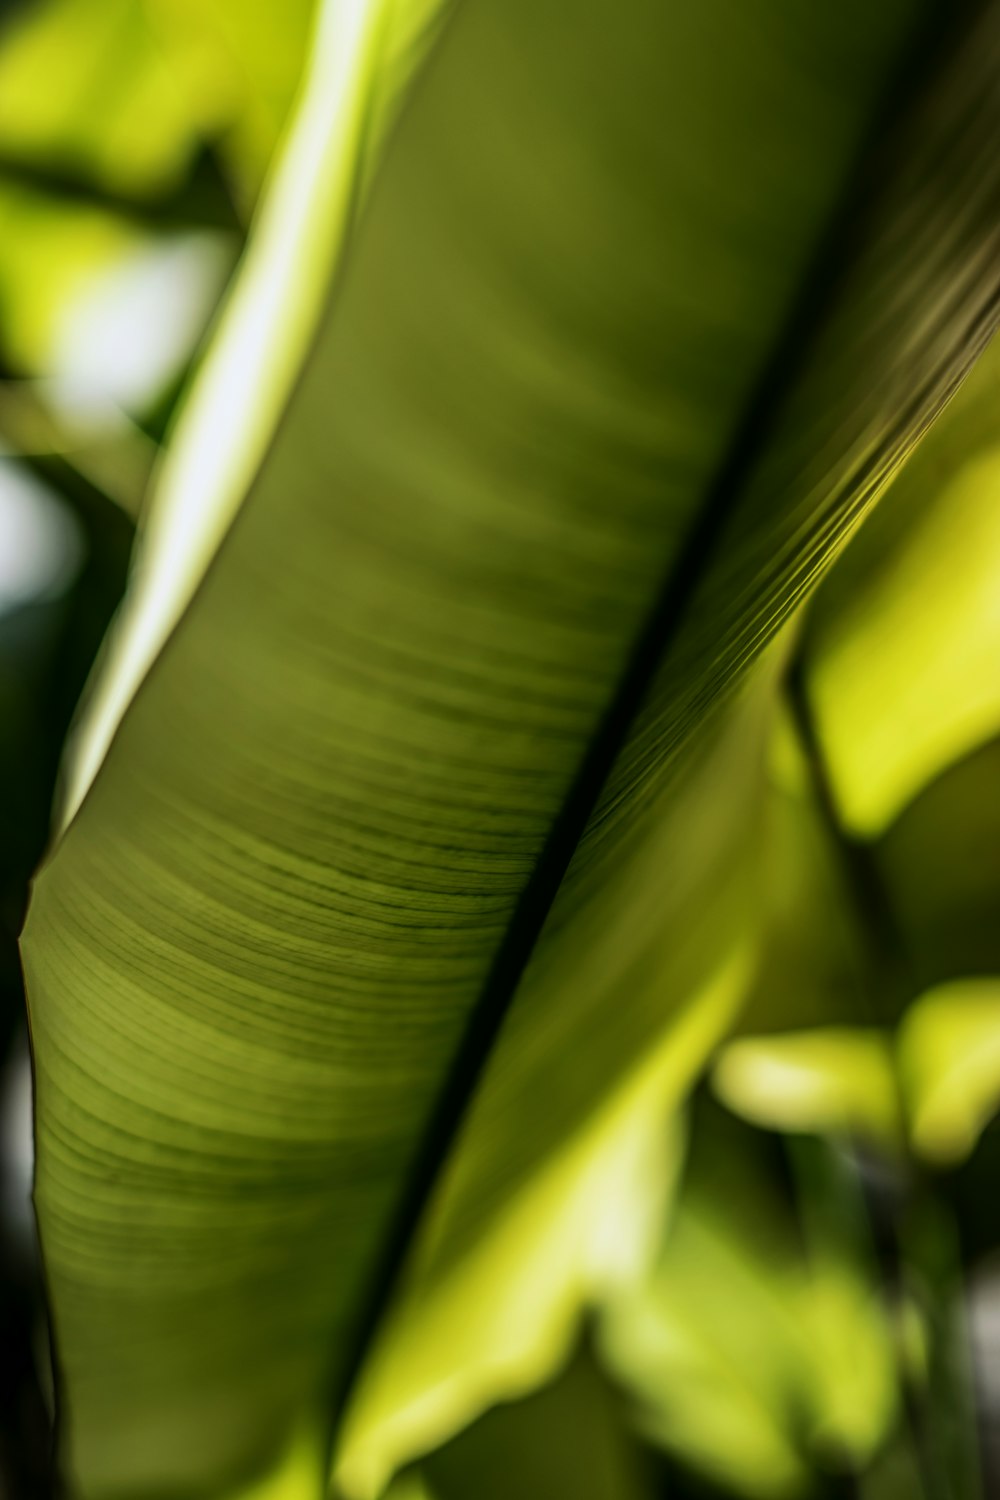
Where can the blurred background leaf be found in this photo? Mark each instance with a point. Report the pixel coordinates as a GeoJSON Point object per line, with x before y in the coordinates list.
{"type": "Point", "coordinates": [759, 1351]}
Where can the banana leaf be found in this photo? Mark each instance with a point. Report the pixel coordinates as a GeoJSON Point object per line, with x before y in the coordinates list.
{"type": "Point", "coordinates": [409, 830]}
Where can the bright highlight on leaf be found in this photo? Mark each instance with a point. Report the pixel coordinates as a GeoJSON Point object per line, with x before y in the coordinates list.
{"type": "Point", "coordinates": [949, 1059]}
{"type": "Point", "coordinates": [943, 1069]}
{"type": "Point", "coordinates": [298, 1473]}
{"type": "Point", "coordinates": [830, 1081]}
{"type": "Point", "coordinates": [906, 669]}
{"type": "Point", "coordinates": [269, 318]}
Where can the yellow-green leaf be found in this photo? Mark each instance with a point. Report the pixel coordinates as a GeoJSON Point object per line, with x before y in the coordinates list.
{"type": "Point", "coordinates": [905, 649]}
{"type": "Point", "coordinates": [839, 1081]}
{"type": "Point", "coordinates": [949, 1058]}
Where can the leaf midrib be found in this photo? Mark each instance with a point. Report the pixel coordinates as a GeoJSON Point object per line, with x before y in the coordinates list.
{"type": "Point", "coordinates": [927, 53]}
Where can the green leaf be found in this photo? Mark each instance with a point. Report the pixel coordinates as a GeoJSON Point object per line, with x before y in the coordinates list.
{"type": "Point", "coordinates": [111, 106]}
{"type": "Point", "coordinates": [571, 1438]}
{"type": "Point", "coordinates": [941, 860]}
{"type": "Point", "coordinates": [834, 1080]}
{"type": "Point", "coordinates": [443, 698]}
{"type": "Point", "coordinates": [898, 661]}
{"type": "Point", "coordinates": [757, 1350]}
{"type": "Point", "coordinates": [905, 641]}
{"type": "Point", "coordinates": [825, 1047]}
{"type": "Point", "coordinates": [949, 1059]}
{"type": "Point", "coordinates": [237, 65]}
{"type": "Point", "coordinates": [555, 1194]}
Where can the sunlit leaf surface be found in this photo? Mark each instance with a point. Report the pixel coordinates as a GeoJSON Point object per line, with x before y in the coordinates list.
{"type": "Point", "coordinates": [237, 64]}
{"type": "Point", "coordinates": [839, 1081]}
{"type": "Point", "coordinates": [950, 1062]}
{"type": "Point", "coordinates": [906, 648]}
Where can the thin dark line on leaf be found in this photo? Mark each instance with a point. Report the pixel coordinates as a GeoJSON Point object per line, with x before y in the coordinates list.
{"type": "Point", "coordinates": [928, 52]}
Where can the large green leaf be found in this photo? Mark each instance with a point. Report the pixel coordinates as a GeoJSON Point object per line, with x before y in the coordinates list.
{"type": "Point", "coordinates": [555, 1194]}
{"type": "Point", "coordinates": [899, 669]}
{"type": "Point", "coordinates": [603, 381]}
{"type": "Point", "coordinates": [642, 932]}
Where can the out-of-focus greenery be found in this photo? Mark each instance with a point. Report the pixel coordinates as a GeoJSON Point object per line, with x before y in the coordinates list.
{"type": "Point", "coordinates": [760, 1349]}
{"type": "Point", "coordinates": [514, 983]}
